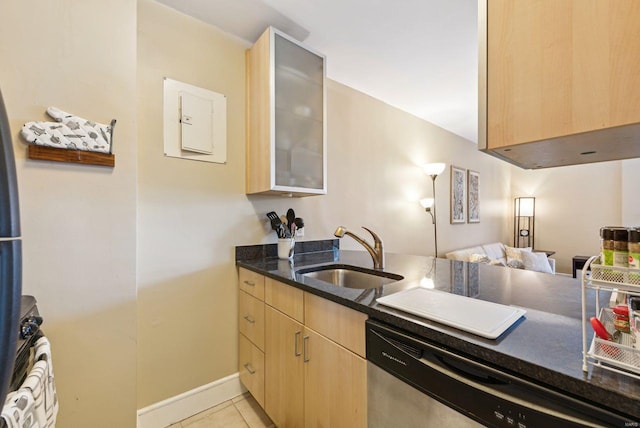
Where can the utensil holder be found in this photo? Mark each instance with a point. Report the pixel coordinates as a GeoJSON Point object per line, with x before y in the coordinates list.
{"type": "Point", "coordinates": [285, 248]}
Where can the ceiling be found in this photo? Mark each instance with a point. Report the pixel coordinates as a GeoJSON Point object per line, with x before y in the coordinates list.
{"type": "Point", "coordinates": [420, 56]}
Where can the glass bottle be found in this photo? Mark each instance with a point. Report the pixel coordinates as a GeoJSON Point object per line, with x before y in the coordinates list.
{"type": "Point", "coordinates": [634, 248]}
{"type": "Point", "coordinates": [606, 246]}
{"type": "Point", "coordinates": [621, 247]}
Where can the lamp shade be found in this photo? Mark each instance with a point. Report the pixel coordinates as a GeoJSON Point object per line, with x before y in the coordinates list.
{"type": "Point", "coordinates": [433, 168]}
{"type": "Point", "coordinates": [426, 202]}
{"type": "Point", "coordinates": [526, 207]}
{"type": "Point", "coordinates": [524, 218]}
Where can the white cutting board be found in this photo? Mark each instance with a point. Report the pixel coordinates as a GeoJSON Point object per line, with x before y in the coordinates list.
{"type": "Point", "coordinates": [486, 319]}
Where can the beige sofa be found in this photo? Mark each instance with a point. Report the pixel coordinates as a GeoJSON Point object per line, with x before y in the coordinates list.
{"type": "Point", "coordinates": [499, 254]}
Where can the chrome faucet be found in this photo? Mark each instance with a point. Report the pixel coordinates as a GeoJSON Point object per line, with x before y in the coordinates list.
{"type": "Point", "coordinates": [377, 253]}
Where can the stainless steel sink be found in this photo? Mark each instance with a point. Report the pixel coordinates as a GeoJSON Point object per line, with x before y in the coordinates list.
{"type": "Point", "coordinates": [349, 276]}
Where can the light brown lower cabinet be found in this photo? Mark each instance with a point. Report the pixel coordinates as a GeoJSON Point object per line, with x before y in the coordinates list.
{"type": "Point", "coordinates": [301, 356]}
{"type": "Point", "coordinates": [335, 384]}
{"type": "Point", "coordinates": [251, 368]}
{"type": "Point", "coordinates": [284, 371]}
{"type": "Point", "coordinates": [311, 381]}
{"type": "Point", "coordinates": [251, 332]}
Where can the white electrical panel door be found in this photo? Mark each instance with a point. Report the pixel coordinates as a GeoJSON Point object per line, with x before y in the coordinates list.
{"type": "Point", "coordinates": [195, 122]}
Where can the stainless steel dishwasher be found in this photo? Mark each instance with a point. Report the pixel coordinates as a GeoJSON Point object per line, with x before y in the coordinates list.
{"type": "Point", "coordinates": [413, 383]}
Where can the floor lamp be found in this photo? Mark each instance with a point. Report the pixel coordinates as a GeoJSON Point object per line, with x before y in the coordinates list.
{"type": "Point", "coordinates": [429, 204]}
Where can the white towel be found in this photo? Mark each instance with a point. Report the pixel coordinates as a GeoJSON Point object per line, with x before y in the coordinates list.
{"type": "Point", "coordinates": [42, 353]}
{"type": "Point", "coordinates": [35, 404]}
{"type": "Point", "coordinates": [69, 132]}
{"type": "Point", "coordinates": [19, 410]}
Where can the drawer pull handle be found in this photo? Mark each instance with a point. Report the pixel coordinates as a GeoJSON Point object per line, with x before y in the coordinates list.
{"type": "Point", "coordinates": [249, 319]}
{"type": "Point", "coordinates": [295, 344]}
{"type": "Point", "coordinates": [249, 368]}
{"type": "Point", "coordinates": [250, 283]}
{"type": "Point", "coordinates": [305, 340]}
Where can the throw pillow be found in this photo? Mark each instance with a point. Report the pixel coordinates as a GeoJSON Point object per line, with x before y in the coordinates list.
{"type": "Point", "coordinates": [515, 263]}
{"type": "Point", "coordinates": [536, 261]}
{"type": "Point", "coordinates": [496, 262]}
{"type": "Point", "coordinates": [514, 256]}
{"type": "Point", "coordinates": [479, 258]}
{"type": "Point", "coordinates": [515, 253]}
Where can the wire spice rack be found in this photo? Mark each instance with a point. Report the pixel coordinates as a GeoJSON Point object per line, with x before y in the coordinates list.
{"type": "Point", "coordinates": [619, 356]}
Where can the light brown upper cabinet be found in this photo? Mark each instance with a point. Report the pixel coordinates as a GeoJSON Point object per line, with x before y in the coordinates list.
{"type": "Point", "coordinates": [286, 117]}
{"type": "Point", "coordinates": [559, 81]}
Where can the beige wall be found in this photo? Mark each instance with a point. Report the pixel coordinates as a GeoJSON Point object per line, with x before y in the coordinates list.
{"type": "Point", "coordinates": [630, 190]}
{"type": "Point", "coordinates": [78, 221]}
{"type": "Point", "coordinates": [572, 203]}
{"type": "Point", "coordinates": [192, 214]}
{"type": "Point", "coordinates": [375, 180]}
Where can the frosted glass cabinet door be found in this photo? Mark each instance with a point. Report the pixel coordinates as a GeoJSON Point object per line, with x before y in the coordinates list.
{"type": "Point", "coordinates": [286, 118]}
{"type": "Point", "coordinates": [299, 108]}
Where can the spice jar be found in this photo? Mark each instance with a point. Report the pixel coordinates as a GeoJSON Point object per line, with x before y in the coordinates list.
{"type": "Point", "coordinates": [606, 246]}
{"type": "Point", "coordinates": [620, 247]}
{"type": "Point", "coordinates": [634, 248]}
{"type": "Point", "coordinates": [621, 318]}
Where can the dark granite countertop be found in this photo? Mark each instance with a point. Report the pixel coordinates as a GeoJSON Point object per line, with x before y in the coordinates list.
{"type": "Point", "coordinates": [544, 346]}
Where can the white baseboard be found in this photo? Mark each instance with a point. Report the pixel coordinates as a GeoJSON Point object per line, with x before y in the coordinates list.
{"type": "Point", "coordinates": [174, 409]}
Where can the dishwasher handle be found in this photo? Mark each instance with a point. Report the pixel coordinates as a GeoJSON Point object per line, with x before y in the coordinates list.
{"type": "Point", "coordinates": [466, 370]}
{"type": "Point", "coordinates": [441, 360]}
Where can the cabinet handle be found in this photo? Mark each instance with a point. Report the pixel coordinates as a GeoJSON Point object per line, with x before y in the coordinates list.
{"type": "Point", "coordinates": [249, 319]}
{"type": "Point", "coordinates": [295, 344]}
{"type": "Point", "coordinates": [249, 368]}
{"type": "Point", "coordinates": [250, 283]}
{"type": "Point", "coordinates": [305, 340]}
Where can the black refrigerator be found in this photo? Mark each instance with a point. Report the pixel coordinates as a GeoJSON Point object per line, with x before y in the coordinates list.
{"type": "Point", "coordinates": [10, 255]}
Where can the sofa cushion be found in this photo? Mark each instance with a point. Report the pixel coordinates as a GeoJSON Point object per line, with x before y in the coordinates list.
{"type": "Point", "coordinates": [464, 254]}
{"type": "Point", "coordinates": [495, 250]}
{"type": "Point", "coordinates": [536, 261]}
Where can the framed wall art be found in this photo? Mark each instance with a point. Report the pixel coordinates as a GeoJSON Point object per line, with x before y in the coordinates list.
{"type": "Point", "coordinates": [458, 195]}
{"type": "Point", "coordinates": [473, 199]}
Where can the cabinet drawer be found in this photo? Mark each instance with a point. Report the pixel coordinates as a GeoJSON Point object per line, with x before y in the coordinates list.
{"type": "Point", "coordinates": [285, 298]}
{"type": "Point", "coordinates": [251, 282]}
{"type": "Point", "coordinates": [251, 368]}
{"type": "Point", "coordinates": [343, 325]}
{"type": "Point", "coordinates": [251, 318]}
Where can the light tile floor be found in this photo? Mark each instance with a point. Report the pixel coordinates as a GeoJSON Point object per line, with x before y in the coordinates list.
{"type": "Point", "coordinates": [241, 412]}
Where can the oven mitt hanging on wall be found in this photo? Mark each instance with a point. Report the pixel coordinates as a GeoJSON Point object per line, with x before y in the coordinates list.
{"type": "Point", "coordinates": [70, 132]}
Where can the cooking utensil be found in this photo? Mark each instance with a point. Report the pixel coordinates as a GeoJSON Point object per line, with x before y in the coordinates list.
{"type": "Point", "coordinates": [274, 219]}
{"type": "Point", "coordinates": [282, 231]}
{"type": "Point", "coordinates": [299, 222]}
{"type": "Point", "coordinates": [276, 224]}
{"type": "Point", "coordinates": [603, 334]}
{"type": "Point", "coordinates": [291, 217]}
{"type": "Point", "coordinates": [600, 329]}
